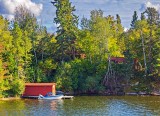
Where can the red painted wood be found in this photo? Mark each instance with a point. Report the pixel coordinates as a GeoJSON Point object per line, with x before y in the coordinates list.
{"type": "Point", "coordinates": [34, 89]}
{"type": "Point", "coordinates": [118, 59]}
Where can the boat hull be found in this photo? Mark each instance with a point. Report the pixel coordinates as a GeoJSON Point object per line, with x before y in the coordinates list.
{"type": "Point", "coordinates": [55, 97]}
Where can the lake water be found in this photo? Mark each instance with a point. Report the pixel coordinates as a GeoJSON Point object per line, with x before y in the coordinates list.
{"type": "Point", "coordinates": [84, 106]}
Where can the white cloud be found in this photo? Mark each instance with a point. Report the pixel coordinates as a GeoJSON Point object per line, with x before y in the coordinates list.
{"type": "Point", "coordinates": [125, 8]}
{"type": "Point", "coordinates": [8, 16]}
{"type": "Point", "coordinates": [7, 7]}
{"type": "Point", "coordinates": [156, 6]}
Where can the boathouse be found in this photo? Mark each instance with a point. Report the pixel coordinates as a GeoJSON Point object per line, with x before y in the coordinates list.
{"type": "Point", "coordinates": [34, 89]}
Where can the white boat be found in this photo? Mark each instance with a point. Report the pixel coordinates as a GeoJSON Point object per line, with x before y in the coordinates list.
{"type": "Point", "coordinates": [52, 97]}
{"type": "Point", "coordinates": [155, 93]}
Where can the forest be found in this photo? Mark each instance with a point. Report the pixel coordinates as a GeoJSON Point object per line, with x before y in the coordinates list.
{"type": "Point", "coordinates": [79, 56]}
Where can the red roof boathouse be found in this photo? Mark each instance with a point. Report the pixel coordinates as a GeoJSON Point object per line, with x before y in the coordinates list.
{"type": "Point", "coordinates": [34, 89]}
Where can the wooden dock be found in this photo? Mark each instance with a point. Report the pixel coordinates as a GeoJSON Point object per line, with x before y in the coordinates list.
{"type": "Point", "coordinates": [67, 97]}
{"type": "Point", "coordinates": [36, 97]}
{"type": "Point", "coordinates": [30, 97]}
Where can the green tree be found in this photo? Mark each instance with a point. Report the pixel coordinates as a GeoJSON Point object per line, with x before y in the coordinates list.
{"type": "Point", "coordinates": [134, 19]}
{"type": "Point", "coordinates": [119, 34]}
{"type": "Point", "coordinates": [156, 56]}
{"type": "Point", "coordinates": [67, 29]}
{"type": "Point", "coordinates": [5, 47]}
{"type": "Point", "coordinates": [18, 52]}
{"type": "Point", "coordinates": [119, 25]}
{"type": "Point", "coordinates": [26, 20]}
{"type": "Point", "coordinates": [152, 18]}
{"type": "Point", "coordinates": [118, 19]}
{"type": "Point", "coordinates": [139, 46]}
{"type": "Point", "coordinates": [46, 56]}
{"type": "Point", "coordinates": [152, 15]}
{"type": "Point", "coordinates": [11, 60]}
{"type": "Point", "coordinates": [32, 33]}
{"type": "Point", "coordinates": [104, 32]}
{"type": "Point", "coordinates": [143, 16]}
{"type": "Point", "coordinates": [98, 42]}
{"type": "Point", "coordinates": [85, 24]}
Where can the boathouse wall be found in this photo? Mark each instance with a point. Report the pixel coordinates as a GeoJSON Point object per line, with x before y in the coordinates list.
{"type": "Point", "coordinates": [34, 89]}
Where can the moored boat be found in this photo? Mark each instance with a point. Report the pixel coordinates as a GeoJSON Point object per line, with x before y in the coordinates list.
{"type": "Point", "coordinates": [155, 93]}
{"type": "Point", "coordinates": [51, 96]}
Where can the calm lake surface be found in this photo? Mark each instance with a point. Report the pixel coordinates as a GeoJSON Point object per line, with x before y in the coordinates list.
{"type": "Point", "coordinates": [84, 106]}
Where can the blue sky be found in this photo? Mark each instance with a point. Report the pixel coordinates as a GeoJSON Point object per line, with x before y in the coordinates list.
{"type": "Point", "coordinates": [45, 11]}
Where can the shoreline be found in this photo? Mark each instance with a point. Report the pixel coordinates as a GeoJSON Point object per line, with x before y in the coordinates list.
{"type": "Point", "coordinates": [10, 98]}
{"type": "Point", "coordinates": [126, 94]}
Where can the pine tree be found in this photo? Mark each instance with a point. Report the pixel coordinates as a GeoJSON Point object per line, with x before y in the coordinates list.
{"type": "Point", "coordinates": [118, 19]}
{"type": "Point", "coordinates": [134, 19]}
{"type": "Point", "coordinates": [143, 16]}
{"type": "Point", "coordinates": [152, 15]}
{"type": "Point", "coordinates": [66, 31]}
{"type": "Point", "coordinates": [152, 18]}
{"type": "Point", "coordinates": [85, 23]}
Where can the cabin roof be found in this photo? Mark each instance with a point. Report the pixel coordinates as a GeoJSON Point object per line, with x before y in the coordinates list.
{"type": "Point", "coordinates": [39, 84]}
{"type": "Point", "coordinates": [118, 59]}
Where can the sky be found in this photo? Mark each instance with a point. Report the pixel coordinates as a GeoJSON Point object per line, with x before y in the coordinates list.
{"type": "Point", "coordinates": [45, 11]}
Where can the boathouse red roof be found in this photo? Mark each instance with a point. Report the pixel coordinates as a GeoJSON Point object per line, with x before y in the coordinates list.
{"type": "Point", "coordinates": [39, 84]}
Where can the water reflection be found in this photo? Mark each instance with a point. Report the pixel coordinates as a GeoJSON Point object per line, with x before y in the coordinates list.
{"type": "Point", "coordinates": [51, 104]}
{"type": "Point", "coordinates": [12, 108]}
{"type": "Point", "coordinates": [84, 105]}
{"type": "Point", "coordinates": [135, 106]}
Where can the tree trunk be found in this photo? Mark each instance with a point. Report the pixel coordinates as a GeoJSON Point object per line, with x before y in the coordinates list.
{"type": "Point", "coordinates": [144, 55]}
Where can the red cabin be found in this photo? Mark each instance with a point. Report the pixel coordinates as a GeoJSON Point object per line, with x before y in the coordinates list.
{"type": "Point", "coordinates": [118, 59]}
{"type": "Point", "coordinates": [34, 89]}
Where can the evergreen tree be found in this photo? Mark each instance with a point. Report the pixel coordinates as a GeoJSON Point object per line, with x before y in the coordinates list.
{"type": "Point", "coordinates": [143, 16]}
{"type": "Point", "coordinates": [31, 35]}
{"type": "Point", "coordinates": [118, 19]}
{"type": "Point", "coordinates": [134, 19]}
{"type": "Point", "coordinates": [67, 28]}
{"type": "Point", "coordinates": [152, 15]}
{"type": "Point", "coordinates": [5, 47]}
{"type": "Point", "coordinates": [152, 18]}
{"type": "Point", "coordinates": [11, 60]}
{"type": "Point", "coordinates": [85, 23]}
{"type": "Point", "coordinates": [18, 52]}
{"type": "Point", "coordinates": [119, 32]}
{"type": "Point", "coordinates": [119, 26]}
